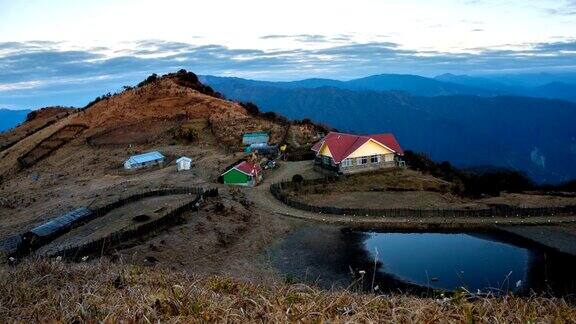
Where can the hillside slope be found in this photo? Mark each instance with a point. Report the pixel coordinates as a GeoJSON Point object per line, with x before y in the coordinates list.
{"type": "Point", "coordinates": [145, 294]}
{"type": "Point", "coordinates": [528, 134]}
{"type": "Point", "coordinates": [32, 122]}
{"type": "Point", "coordinates": [78, 158]}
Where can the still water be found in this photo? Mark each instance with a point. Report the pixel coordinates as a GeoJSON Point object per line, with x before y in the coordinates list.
{"type": "Point", "coordinates": [330, 256]}
{"type": "Point", "coordinates": [450, 261]}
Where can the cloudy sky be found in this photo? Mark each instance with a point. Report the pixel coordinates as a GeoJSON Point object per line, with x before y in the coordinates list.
{"type": "Point", "coordinates": [67, 52]}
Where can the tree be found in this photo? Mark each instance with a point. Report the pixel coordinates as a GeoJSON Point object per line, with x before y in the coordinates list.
{"type": "Point", "coordinates": [251, 108]}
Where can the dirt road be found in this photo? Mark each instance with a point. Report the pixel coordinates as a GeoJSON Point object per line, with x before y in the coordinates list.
{"type": "Point", "coordinates": [264, 200]}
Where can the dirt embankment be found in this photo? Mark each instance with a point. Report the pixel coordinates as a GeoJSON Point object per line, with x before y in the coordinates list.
{"type": "Point", "coordinates": [35, 121]}
{"type": "Point", "coordinates": [227, 236]}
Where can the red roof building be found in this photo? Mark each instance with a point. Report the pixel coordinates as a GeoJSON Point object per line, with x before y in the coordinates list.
{"type": "Point", "coordinates": [243, 174]}
{"type": "Point", "coordinates": [251, 169]}
{"type": "Point", "coordinates": [348, 153]}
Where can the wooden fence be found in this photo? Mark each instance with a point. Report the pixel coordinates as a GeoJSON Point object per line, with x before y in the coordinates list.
{"type": "Point", "coordinates": [147, 194]}
{"type": "Point", "coordinates": [23, 247]}
{"type": "Point", "coordinates": [104, 244]}
{"type": "Point", "coordinates": [277, 190]}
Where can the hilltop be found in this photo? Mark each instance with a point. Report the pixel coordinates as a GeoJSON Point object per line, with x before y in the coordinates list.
{"type": "Point", "coordinates": [61, 158]}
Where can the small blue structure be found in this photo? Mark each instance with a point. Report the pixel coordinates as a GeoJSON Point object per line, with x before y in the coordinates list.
{"type": "Point", "coordinates": [255, 138]}
{"type": "Point", "coordinates": [58, 225]}
{"type": "Point", "coordinates": [144, 160]}
{"type": "Point", "coordinates": [262, 149]}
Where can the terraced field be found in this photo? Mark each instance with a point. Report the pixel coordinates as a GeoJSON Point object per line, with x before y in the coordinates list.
{"type": "Point", "coordinates": [50, 144]}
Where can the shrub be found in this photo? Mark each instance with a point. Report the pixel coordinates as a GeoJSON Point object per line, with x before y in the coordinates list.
{"type": "Point", "coordinates": [251, 108]}
{"type": "Point", "coordinates": [490, 182]}
{"type": "Point", "coordinates": [297, 178]}
{"type": "Point", "coordinates": [151, 79]}
{"type": "Point", "coordinates": [186, 76]}
{"type": "Point", "coordinates": [185, 134]}
{"type": "Point", "coordinates": [98, 99]}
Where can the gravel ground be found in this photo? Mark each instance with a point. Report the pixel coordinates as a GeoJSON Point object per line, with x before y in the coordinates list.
{"type": "Point", "coordinates": [558, 237]}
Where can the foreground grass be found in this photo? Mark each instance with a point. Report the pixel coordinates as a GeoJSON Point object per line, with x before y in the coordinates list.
{"type": "Point", "coordinates": [55, 291]}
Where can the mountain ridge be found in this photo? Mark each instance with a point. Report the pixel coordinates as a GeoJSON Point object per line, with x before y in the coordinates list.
{"type": "Point", "coordinates": [413, 84]}
{"type": "Point", "coordinates": [466, 130]}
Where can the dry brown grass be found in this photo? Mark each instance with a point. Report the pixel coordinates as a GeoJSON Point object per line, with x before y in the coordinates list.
{"type": "Point", "coordinates": [382, 180]}
{"type": "Point", "coordinates": [55, 291]}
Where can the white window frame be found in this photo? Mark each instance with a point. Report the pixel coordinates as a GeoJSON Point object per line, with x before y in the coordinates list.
{"type": "Point", "coordinates": [360, 160]}
{"type": "Point", "coordinates": [347, 163]}
{"type": "Point", "coordinates": [374, 157]}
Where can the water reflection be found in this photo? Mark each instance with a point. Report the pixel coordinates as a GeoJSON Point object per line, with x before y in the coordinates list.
{"type": "Point", "coordinates": [330, 256]}
{"type": "Point", "coordinates": [450, 261]}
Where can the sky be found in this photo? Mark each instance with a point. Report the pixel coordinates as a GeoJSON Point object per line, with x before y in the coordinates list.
{"type": "Point", "coordinates": [67, 52]}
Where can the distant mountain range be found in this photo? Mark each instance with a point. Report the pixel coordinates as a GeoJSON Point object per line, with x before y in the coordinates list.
{"type": "Point", "coordinates": [468, 120]}
{"type": "Point", "coordinates": [533, 135]}
{"type": "Point", "coordinates": [412, 84]}
{"type": "Point", "coordinates": [541, 86]}
{"type": "Point", "coordinates": [11, 118]}
{"type": "Point", "coordinates": [529, 86]}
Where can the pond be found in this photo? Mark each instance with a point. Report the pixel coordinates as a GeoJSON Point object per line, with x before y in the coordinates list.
{"type": "Point", "coordinates": [450, 261]}
{"type": "Point", "coordinates": [486, 261]}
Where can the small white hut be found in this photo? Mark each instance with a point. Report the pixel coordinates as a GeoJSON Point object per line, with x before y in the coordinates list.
{"type": "Point", "coordinates": [184, 163]}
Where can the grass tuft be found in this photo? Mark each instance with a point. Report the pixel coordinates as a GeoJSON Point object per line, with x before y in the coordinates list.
{"type": "Point", "coordinates": [45, 290]}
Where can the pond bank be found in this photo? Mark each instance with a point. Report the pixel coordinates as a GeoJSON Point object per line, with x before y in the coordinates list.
{"type": "Point", "coordinates": [420, 262]}
{"type": "Point", "coordinates": [559, 238]}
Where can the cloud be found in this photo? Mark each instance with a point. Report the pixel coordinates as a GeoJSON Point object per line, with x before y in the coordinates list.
{"type": "Point", "coordinates": [34, 74]}
{"type": "Point", "coordinates": [310, 38]}
{"type": "Point", "coordinates": [563, 8]}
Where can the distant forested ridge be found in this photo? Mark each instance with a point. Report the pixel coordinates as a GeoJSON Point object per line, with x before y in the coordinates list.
{"type": "Point", "coordinates": [11, 118]}
{"type": "Point", "coordinates": [532, 135]}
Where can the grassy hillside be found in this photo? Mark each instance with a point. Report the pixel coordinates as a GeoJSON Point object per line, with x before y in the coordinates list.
{"type": "Point", "coordinates": [100, 291]}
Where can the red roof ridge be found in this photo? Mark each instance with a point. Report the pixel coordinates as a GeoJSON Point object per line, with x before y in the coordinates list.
{"type": "Point", "coordinates": [248, 168]}
{"type": "Point", "coordinates": [345, 144]}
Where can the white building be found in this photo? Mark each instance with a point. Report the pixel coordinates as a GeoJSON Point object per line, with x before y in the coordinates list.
{"type": "Point", "coordinates": [144, 160]}
{"type": "Point", "coordinates": [184, 163]}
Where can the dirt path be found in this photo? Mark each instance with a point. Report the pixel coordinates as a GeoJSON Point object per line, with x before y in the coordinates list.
{"type": "Point", "coordinates": [264, 200]}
